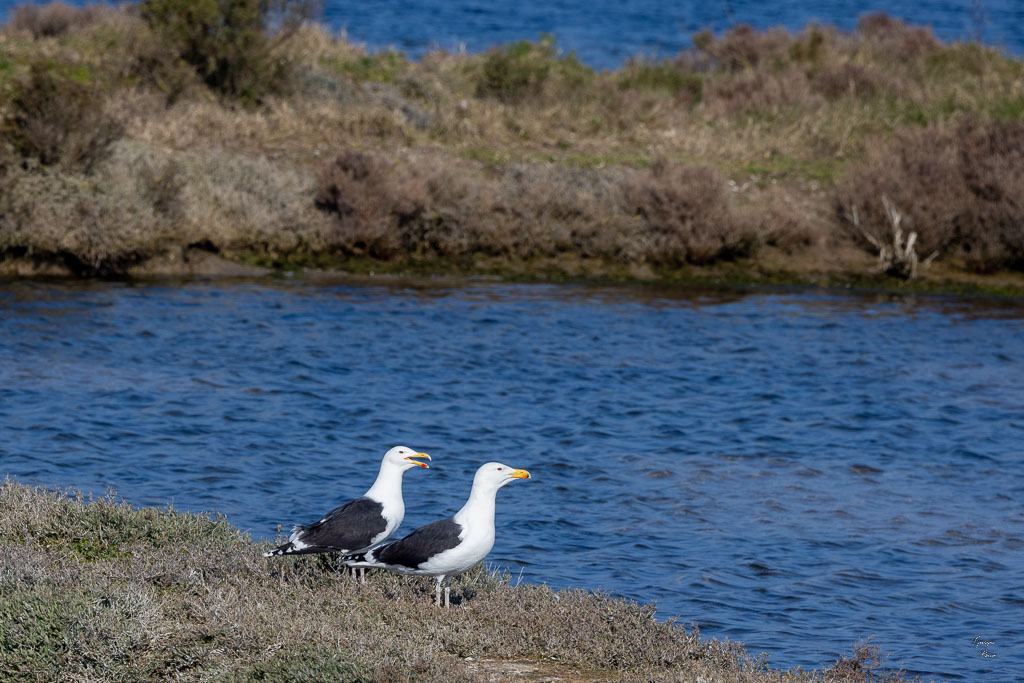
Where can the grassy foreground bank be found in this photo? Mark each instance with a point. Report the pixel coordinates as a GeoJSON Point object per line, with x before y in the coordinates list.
{"type": "Point", "coordinates": [100, 590]}
{"type": "Point", "coordinates": [159, 139]}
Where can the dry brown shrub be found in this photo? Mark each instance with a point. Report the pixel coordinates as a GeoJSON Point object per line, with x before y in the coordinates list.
{"type": "Point", "coordinates": [431, 207]}
{"type": "Point", "coordinates": [866, 664]}
{"type": "Point", "coordinates": [759, 91]}
{"type": "Point", "coordinates": [575, 211]}
{"type": "Point", "coordinates": [144, 200]}
{"type": "Point", "coordinates": [57, 18]}
{"type": "Point", "coordinates": [908, 172]}
{"type": "Point", "coordinates": [130, 208]}
{"type": "Point", "coordinates": [892, 39]}
{"type": "Point", "coordinates": [743, 47]}
{"type": "Point", "coordinates": [688, 216]}
{"type": "Point", "coordinates": [243, 204]}
{"type": "Point", "coordinates": [783, 222]}
{"type": "Point", "coordinates": [961, 192]}
{"type": "Point", "coordinates": [48, 213]}
{"type": "Point", "coordinates": [460, 219]}
{"type": "Point", "coordinates": [374, 200]}
{"type": "Point", "coordinates": [475, 213]}
{"type": "Point", "coordinates": [161, 186]}
{"type": "Point", "coordinates": [847, 78]}
{"type": "Point", "coordinates": [992, 164]}
{"type": "Point", "coordinates": [44, 21]}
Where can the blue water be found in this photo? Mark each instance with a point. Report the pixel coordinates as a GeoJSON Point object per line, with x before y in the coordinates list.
{"type": "Point", "coordinates": [795, 470]}
{"type": "Point", "coordinates": [604, 33]}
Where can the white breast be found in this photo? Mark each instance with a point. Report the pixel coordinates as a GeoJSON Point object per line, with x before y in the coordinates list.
{"type": "Point", "coordinates": [393, 511]}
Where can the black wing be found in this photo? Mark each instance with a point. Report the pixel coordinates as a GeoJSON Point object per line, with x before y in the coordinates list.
{"type": "Point", "coordinates": [351, 526]}
{"type": "Point", "coordinates": [421, 545]}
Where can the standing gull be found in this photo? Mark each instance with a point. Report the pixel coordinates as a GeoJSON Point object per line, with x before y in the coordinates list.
{"type": "Point", "coordinates": [450, 546]}
{"type": "Point", "coordinates": [359, 523]}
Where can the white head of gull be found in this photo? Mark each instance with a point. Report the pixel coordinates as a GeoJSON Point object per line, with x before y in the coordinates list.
{"type": "Point", "coordinates": [450, 546]}
{"type": "Point", "coordinates": [360, 523]}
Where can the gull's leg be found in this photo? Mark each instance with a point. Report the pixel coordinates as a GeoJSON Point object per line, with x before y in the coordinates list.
{"type": "Point", "coordinates": [437, 595]}
{"type": "Point", "coordinates": [447, 591]}
{"type": "Point", "coordinates": [362, 575]}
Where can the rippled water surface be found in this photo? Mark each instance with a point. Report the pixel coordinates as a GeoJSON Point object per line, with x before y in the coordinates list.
{"type": "Point", "coordinates": [795, 470]}
{"type": "Point", "coordinates": [605, 33]}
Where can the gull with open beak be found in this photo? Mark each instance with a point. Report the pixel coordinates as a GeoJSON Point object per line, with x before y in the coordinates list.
{"type": "Point", "coordinates": [359, 524]}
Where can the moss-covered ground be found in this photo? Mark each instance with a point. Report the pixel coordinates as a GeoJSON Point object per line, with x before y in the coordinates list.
{"type": "Point", "coordinates": [96, 589]}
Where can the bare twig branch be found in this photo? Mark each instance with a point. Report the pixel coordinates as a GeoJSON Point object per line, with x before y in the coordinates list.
{"type": "Point", "coordinates": [900, 259]}
{"type": "Point", "coordinates": [854, 219]}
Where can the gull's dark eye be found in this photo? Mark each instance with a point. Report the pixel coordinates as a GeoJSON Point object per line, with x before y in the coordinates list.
{"type": "Point", "coordinates": [499, 469]}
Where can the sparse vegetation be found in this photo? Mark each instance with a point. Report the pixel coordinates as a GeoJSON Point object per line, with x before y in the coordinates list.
{"type": "Point", "coordinates": [124, 141]}
{"type": "Point", "coordinates": [101, 590]}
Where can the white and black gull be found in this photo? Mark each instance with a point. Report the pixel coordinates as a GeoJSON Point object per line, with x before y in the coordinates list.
{"type": "Point", "coordinates": [359, 524]}
{"type": "Point", "coordinates": [450, 546]}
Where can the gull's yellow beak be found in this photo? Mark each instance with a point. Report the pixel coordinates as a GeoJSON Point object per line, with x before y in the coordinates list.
{"type": "Point", "coordinates": [418, 455]}
{"type": "Point", "coordinates": [519, 474]}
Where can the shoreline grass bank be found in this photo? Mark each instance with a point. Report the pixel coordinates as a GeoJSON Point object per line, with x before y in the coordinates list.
{"type": "Point", "coordinates": [879, 155]}
{"type": "Point", "coordinates": [101, 590]}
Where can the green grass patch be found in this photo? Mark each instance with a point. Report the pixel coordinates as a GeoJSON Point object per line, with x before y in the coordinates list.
{"type": "Point", "coordinates": [965, 60]}
{"type": "Point", "coordinates": [103, 529]}
{"type": "Point", "coordinates": [504, 157]}
{"type": "Point", "coordinates": [81, 74]}
{"type": "Point", "coordinates": [777, 166]}
{"type": "Point", "coordinates": [908, 112]}
{"type": "Point", "coordinates": [491, 156]}
{"type": "Point", "coordinates": [522, 70]}
{"type": "Point", "coordinates": [92, 550]}
{"type": "Point", "coordinates": [665, 75]}
{"type": "Point", "coordinates": [34, 626]}
{"type": "Point", "coordinates": [383, 67]}
{"type": "Point", "coordinates": [1008, 109]}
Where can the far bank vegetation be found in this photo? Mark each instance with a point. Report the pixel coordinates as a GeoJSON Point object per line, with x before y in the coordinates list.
{"type": "Point", "coordinates": [246, 129]}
